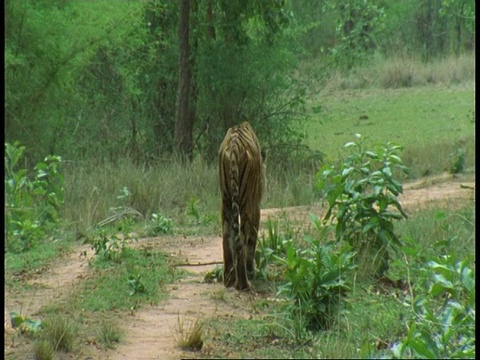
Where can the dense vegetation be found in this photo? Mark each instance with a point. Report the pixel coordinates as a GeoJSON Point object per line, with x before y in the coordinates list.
{"type": "Point", "coordinates": [114, 114]}
{"type": "Point", "coordinates": [98, 80]}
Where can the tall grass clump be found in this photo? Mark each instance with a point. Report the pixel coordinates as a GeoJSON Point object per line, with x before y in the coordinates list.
{"type": "Point", "coordinates": [109, 334]}
{"type": "Point", "coordinates": [403, 71]}
{"type": "Point", "coordinates": [190, 334]}
{"type": "Point", "coordinates": [449, 155]}
{"type": "Point", "coordinates": [289, 179]}
{"type": "Point", "coordinates": [165, 187]}
{"type": "Point", "coordinates": [43, 350]}
{"type": "Point", "coordinates": [398, 73]}
{"type": "Point", "coordinates": [449, 70]}
{"type": "Point", "coordinates": [61, 331]}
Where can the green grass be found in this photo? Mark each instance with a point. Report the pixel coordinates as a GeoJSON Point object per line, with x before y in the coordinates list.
{"type": "Point", "coordinates": [431, 122]}
{"type": "Point", "coordinates": [109, 333]}
{"type": "Point", "coordinates": [136, 277]}
{"type": "Point", "coordinates": [34, 259]}
{"type": "Point", "coordinates": [61, 332]}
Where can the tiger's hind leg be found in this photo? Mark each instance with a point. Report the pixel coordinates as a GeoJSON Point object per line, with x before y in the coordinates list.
{"type": "Point", "coordinates": [228, 256]}
{"type": "Point", "coordinates": [240, 265]}
{"type": "Point", "coordinates": [241, 251]}
{"type": "Point", "coordinates": [251, 243]}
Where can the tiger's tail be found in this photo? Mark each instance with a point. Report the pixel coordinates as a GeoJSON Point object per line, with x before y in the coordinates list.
{"type": "Point", "coordinates": [234, 186]}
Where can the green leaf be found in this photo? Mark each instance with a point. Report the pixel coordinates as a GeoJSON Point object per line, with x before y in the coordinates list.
{"type": "Point", "coordinates": [372, 224]}
{"type": "Point", "coordinates": [468, 279]}
{"type": "Point", "coordinates": [421, 349]}
{"type": "Point", "coordinates": [440, 280]}
{"type": "Point", "coordinates": [388, 173]}
{"type": "Point", "coordinates": [446, 270]}
{"type": "Point", "coordinates": [371, 154]}
{"type": "Point", "coordinates": [16, 319]}
{"type": "Point", "coordinates": [33, 325]}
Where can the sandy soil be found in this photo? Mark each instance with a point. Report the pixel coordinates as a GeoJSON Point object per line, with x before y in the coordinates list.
{"type": "Point", "coordinates": [152, 332]}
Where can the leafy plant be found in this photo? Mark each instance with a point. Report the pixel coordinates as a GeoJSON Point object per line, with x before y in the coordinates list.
{"type": "Point", "coordinates": [315, 282]}
{"type": "Point", "coordinates": [457, 160]}
{"type": "Point", "coordinates": [160, 225]}
{"type": "Point", "coordinates": [193, 212]}
{"type": "Point", "coordinates": [216, 275]}
{"type": "Point", "coordinates": [135, 284]}
{"type": "Point", "coordinates": [109, 246]}
{"type": "Point", "coordinates": [33, 201]}
{"type": "Point", "coordinates": [444, 315]}
{"type": "Point", "coordinates": [25, 324]}
{"type": "Point", "coordinates": [268, 248]}
{"type": "Point", "coordinates": [360, 196]}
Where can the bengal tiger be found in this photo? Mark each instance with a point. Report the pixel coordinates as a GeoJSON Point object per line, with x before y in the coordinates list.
{"type": "Point", "coordinates": [241, 184]}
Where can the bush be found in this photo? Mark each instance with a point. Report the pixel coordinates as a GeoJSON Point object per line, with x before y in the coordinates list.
{"type": "Point", "coordinates": [33, 202]}
{"type": "Point", "coordinates": [444, 316]}
{"type": "Point", "coordinates": [360, 195]}
{"type": "Point", "coordinates": [315, 283]}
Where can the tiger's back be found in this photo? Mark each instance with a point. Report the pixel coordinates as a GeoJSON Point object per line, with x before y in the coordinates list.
{"type": "Point", "coordinates": [240, 170]}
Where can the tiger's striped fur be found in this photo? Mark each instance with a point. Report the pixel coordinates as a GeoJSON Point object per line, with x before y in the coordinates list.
{"type": "Point", "coordinates": [241, 183]}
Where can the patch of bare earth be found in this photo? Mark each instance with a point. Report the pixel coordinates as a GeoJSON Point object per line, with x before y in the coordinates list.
{"type": "Point", "coordinates": [152, 332]}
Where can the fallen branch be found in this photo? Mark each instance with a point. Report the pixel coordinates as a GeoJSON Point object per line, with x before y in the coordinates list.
{"type": "Point", "coordinates": [199, 264]}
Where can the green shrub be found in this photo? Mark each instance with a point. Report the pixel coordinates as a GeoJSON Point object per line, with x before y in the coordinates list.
{"type": "Point", "coordinates": [315, 283]}
{"type": "Point", "coordinates": [160, 225]}
{"type": "Point", "coordinates": [274, 244]}
{"type": "Point", "coordinates": [109, 246]}
{"type": "Point", "coordinates": [33, 201]}
{"type": "Point", "coordinates": [444, 315]}
{"type": "Point", "coordinates": [360, 195]}
{"type": "Point", "coordinates": [457, 161]}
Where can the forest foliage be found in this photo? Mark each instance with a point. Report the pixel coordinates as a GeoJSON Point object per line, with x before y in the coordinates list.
{"type": "Point", "coordinates": [99, 80]}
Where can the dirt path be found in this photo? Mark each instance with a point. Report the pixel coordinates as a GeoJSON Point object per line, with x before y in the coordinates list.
{"type": "Point", "coordinates": [151, 332]}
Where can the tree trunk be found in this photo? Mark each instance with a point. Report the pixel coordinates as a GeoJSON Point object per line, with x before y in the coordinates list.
{"type": "Point", "coordinates": [210, 26]}
{"type": "Point", "coordinates": [185, 112]}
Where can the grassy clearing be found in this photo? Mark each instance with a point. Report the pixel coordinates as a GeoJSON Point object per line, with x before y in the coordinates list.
{"type": "Point", "coordinates": [433, 119]}
{"type": "Point", "coordinates": [430, 122]}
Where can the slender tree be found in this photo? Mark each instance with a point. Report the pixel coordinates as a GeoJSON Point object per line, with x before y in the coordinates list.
{"type": "Point", "coordinates": [185, 116]}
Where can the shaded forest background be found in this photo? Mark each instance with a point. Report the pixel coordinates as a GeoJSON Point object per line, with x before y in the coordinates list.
{"type": "Point", "coordinates": [104, 80]}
